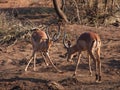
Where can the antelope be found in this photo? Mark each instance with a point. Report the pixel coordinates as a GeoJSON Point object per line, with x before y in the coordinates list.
{"type": "Point", "coordinates": [41, 42]}
{"type": "Point", "coordinates": [90, 42]}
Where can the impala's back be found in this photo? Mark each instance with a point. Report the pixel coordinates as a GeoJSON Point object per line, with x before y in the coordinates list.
{"type": "Point", "coordinates": [40, 41]}
{"type": "Point", "coordinates": [88, 40]}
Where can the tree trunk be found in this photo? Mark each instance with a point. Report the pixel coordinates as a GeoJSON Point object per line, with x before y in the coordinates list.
{"type": "Point", "coordinates": [59, 12]}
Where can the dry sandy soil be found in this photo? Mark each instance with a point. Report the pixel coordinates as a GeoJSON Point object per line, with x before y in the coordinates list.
{"type": "Point", "coordinates": [14, 59]}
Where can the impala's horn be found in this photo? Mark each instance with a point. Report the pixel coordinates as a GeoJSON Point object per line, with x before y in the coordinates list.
{"type": "Point", "coordinates": [66, 45]}
{"type": "Point", "coordinates": [47, 32]}
{"type": "Point", "coordinates": [57, 35]}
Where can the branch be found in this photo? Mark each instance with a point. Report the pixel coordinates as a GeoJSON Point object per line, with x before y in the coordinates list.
{"type": "Point", "coordinates": [77, 10]}
{"type": "Point", "coordinates": [59, 12]}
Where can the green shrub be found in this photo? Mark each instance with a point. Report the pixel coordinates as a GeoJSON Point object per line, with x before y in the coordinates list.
{"type": "Point", "coordinates": [12, 29]}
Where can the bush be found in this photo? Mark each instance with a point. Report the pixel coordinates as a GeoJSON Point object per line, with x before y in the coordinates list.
{"type": "Point", "coordinates": [91, 12]}
{"type": "Point", "coordinates": [12, 29]}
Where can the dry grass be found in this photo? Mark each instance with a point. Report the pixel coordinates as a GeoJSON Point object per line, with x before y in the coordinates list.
{"type": "Point", "coordinates": [12, 29]}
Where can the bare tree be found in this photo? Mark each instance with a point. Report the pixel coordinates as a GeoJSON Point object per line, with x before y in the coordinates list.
{"type": "Point", "coordinates": [59, 11]}
{"type": "Point", "coordinates": [90, 12]}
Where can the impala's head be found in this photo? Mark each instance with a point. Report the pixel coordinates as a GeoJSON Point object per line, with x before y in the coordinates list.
{"type": "Point", "coordinates": [55, 36]}
{"type": "Point", "coordinates": [70, 49]}
{"type": "Point", "coordinates": [42, 38]}
{"type": "Point", "coordinates": [68, 54]}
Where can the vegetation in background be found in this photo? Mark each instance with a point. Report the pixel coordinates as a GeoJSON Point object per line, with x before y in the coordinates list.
{"type": "Point", "coordinates": [90, 12]}
{"type": "Point", "coordinates": [86, 12]}
{"type": "Point", "coordinates": [12, 29]}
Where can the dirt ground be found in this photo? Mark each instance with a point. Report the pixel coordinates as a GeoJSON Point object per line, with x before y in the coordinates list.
{"type": "Point", "coordinates": [13, 60]}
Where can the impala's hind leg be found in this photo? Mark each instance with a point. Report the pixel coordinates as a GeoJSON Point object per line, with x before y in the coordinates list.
{"type": "Point", "coordinates": [95, 61]}
{"type": "Point", "coordinates": [34, 62]}
{"type": "Point", "coordinates": [98, 64]}
{"type": "Point", "coordinates": [77, 64]}
{"type": "Point", "coordinates": [89, 62]}
{"type": "Point", "coordinates": [32, 57]}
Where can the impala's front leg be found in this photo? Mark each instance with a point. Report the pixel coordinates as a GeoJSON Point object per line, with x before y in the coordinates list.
{"type": "Point", "coordinates": [28, 63]}
{"type": "Point", "coordinates": [32, 57]}
{"type": "Point", "coordinates": [35, 62]}
{"type": "Point", "coordinates": [47, 54]}
{"type": "Point", "coordinates": [98, 64]}
{"type": "Point", "coordinates": [95, 61]}
{"type": "Point", "coordinates": [44, 59]}
{"type": "Point", "coordinates": [77, 64]}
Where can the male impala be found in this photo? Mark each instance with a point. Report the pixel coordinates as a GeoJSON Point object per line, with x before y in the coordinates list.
{"type": "Point", "coordinates": [41, 42]}
{"type": "Point", "coordinates": [90, 42]}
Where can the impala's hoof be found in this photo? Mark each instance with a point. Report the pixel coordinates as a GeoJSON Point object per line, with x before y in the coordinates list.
{"type": "Point", "coordinates": [90, 74]}
{"type": "Point", "coordinates": [74, 75]}
{"type": "Point", "coordinates": [97, 81]}
{"type": "Point", "coordinates": [35, 69]}
{"type": "Point", "coordinates": [47, 64]}
{"type": "Point", "coordinates": [59, 71]}
{"type": "Point", "coordinates": [70, 60]}
{"type": "Point", "coordinates": [98, 78]}
{"type": "Point", "coordinates": [25, 70]}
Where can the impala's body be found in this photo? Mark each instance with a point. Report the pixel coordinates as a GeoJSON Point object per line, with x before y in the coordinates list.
{"type": "Point", "coordinates": [91, 43]}
{"type": "Point", "coordinates": [86, 41]}
{"type": "Point", "coordinates": [41, 43]}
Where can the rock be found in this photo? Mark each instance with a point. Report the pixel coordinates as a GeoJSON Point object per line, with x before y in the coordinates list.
{"type": "Point", "coordinates": [55, 86]}
{"type": "Point", "coordinates": [16, 88]}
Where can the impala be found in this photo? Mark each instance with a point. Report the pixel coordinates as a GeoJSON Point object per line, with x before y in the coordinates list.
{"type": "Point", "coordinates": [41, 42]}
{"type": "Point", "coordinates": [90, 42]}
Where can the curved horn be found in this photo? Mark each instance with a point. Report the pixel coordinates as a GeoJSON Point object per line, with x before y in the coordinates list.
{"type": "Point", "coordinates": [64, 37]}
{"type": "Point", "coordinates": [47, 29]}
{"type": "Point", "coordinates": [57, 35]}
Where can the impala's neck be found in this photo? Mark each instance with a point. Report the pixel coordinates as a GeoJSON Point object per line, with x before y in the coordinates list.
{"type": "Point", "coordinates": [73, 49]}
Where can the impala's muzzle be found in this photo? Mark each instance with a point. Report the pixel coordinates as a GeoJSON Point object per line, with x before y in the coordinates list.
{"type": "Point", "coordinates": [69, 57]}
{"type": "Point", "coordinates": [69, 60]}
{"type": "Point", "coordinates": [66, 55]}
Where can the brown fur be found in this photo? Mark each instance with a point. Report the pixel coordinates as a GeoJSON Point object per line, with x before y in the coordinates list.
{"type": "Point", "coordinates": [41, 43]}
{"type": "Point", "coordinates": [90, 42]}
